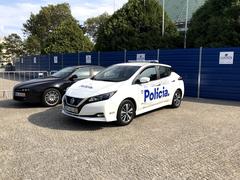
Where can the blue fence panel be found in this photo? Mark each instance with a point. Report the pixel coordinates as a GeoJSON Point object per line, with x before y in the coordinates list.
{"type": "Point", "coordinates": [149, 55]}
{"type": "Point", "coordinates": [71, 59]}
{"type": "Point", "coordinates": [56, 62]}
{"type": "Point", "coordinates": [220, 81]}
{"type": "Point", "coordinates": [88, 58]}
{"type": "Point", "coordinates": [186, 63]}
{"type": "Point", "coordinates": [44, 63]}
{"type": "Point", "coordinates": [110, 58]}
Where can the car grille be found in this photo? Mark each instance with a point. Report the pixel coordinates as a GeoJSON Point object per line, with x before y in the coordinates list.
{"type": "Point", "coordinates": [73, 101]}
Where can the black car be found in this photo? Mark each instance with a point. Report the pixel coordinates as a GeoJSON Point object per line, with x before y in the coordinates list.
{"type": "Point", "coordinates": [9, 67]}
{"type": "Point", "coordinates": [50, 90]}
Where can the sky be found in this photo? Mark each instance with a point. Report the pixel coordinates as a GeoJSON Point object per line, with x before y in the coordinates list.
{"type": "Point", "coordinates": [13, 13]}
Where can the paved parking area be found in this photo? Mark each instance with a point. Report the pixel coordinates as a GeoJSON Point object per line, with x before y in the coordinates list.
{"type": "Point", "coordinates": [200, 140]}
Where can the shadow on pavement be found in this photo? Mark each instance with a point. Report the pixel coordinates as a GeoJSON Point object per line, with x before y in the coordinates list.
{"type": "Point", "coordinates": [212, 101]}
{"type": "Point", "coordinates": [53, 119]}
{"type": "Point", "coordinates": [15, 104]}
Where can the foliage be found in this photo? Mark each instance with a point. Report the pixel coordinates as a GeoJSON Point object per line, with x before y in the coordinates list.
{"type": "Point", "coordinates": [32, 45]}
{"type": "Point", "coordinates": [67, 37]}
{"type": "Point", "coordinates": [91, 25]}
{"type": "Point", "coordinates": [215, 24]}
{"type": "Point", "coordinates": [43, 27]}
{"type": "Point", "coordinates": [137, 25]}
{"type": "Point", "coordinates": [1, 51]}
{"type": "Point", "coordinates": [13, 46]}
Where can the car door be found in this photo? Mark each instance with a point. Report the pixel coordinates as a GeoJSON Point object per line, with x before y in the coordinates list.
{"type": "Point", "coordinates": [165, 83]}
{"type": "Point", "coordinates": [146, 93]}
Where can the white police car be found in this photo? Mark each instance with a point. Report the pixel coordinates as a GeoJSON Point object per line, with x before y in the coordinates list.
{"type": "Point", "coordinates": [122, 91]}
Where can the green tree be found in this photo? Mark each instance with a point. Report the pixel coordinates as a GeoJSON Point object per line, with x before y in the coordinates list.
{"type": "Point", "coordinates": [41, 28]}
{"type": "Point", "coordinates": [1, 51]}
{"type": "Point", "coordinates": [215, 24]}
{"type": "Point", "coordinates": [137, 25]}
{"type": "Point", "coordinates": [32, 45]}
{"type": "Point", "coordinates": [91, 25]}
{"type": "Point", "coordinates": [67, 38]}
{"type": "Point", "coordinates": [13, 46]}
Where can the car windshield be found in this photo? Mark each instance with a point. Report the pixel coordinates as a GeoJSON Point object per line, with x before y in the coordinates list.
{"type": "Point", "coordinates": [63, 72]}
{"type": "Point", "coordinates": [116, 73]}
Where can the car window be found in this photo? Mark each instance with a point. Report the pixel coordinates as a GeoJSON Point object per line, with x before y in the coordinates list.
{"type": "Point", "coordinates": [116, 73]}
{"type": "Point", "coordinates": [63, 72]}
{"type": "Point", "coordinates": [82, 73]}
{"type": "Point", "coordinates": [164, 71]}
{"type": "Point", "coordinates": [149, 72]}
{"type": "Point", "coordinates": [96, 70]}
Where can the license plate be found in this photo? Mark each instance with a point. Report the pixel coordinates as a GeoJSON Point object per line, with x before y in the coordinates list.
{"type": "Point", "coordinates": [71, 109]}
{"type": "Point", "coordinates": [20, 94]}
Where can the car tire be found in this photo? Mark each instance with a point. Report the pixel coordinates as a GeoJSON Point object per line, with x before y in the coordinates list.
{"type": "Point", "coordinates": [177, 99]}
{"type": "Point", "coordinates": [126, 113]}
{"type": "Point", "coordinates": [51, 97]}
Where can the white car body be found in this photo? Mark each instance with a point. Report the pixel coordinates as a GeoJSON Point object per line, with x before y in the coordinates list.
{"type": "Point", "coordinates": [145, 96]}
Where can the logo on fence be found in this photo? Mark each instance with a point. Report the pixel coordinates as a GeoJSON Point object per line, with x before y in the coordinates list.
{"type": "Point", "coordinates": [140, 57]}
{"type": "Point", "coordinates": [226, 57]}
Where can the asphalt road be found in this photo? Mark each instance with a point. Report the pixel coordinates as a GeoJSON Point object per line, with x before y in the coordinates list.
{"type": "Point", "coordinates": [199, 140]}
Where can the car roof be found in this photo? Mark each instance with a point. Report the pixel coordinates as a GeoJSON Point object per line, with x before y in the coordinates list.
{"type": "Point", "coordinates": [83, 66]}
{"type": "Point", "coordinates": [142, 64]}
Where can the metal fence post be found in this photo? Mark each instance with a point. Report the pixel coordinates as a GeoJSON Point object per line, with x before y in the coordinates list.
{"type": "Point", "coordinates": [199, 72]}
{"type": "Point", "coordinates": [49, 62]}
{"type": "Point", "coordinates": [78, 58]}
{"type": "Point", "coordinates": [158, 51]}
{"type": "Point", "coordinates": [62, 60]}
{"type": "Point", "coordinates": [99, 61]}
{"type": "Point", "coordinates": [125, 55]}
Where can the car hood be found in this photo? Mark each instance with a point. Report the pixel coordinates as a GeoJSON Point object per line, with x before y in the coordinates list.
{"type": "Point", "coordinates": [35, 82]}
{"type": "Point", "coordinates": [88, 88]}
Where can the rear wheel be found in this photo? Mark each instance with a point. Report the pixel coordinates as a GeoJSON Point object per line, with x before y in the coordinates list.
{"type": "Point", "coordinates": [126, 113]}
{"type": "Point", "coordinates": [51, 97]}
{"type": "Point", "coordinates": [177, 99]}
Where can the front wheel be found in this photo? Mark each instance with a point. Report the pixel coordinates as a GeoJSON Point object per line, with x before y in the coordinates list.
{"type": "Point", "coordinates": [51, 97]}
{"type": "Point", "coordinates": [177, 99]}
{"type": "Point", "coordinates": [126, 113]}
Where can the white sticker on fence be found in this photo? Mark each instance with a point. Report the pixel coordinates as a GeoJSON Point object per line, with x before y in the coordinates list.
{"type": "Point", "coordinates": [22, 60]}
{"type": "Point", "coordinates": [226, 57]}
{"type": "Point", "coordinates": [88, 59]}
{"type": "Point", "coordinates": [55, 59]}
{"type": "Point", "coordinates": [140, 57]}
{"type": "Point", "coordinates": [34, 60]}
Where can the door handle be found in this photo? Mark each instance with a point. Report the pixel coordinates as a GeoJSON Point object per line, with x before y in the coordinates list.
{"type": "Point", "coordinates": [173, 80]}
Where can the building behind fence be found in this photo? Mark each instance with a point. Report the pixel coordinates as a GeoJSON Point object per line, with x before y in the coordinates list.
{"type": "Point", "coordinates": [207, 72]}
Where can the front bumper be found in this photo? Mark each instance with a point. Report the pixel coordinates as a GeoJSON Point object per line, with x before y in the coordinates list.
{"type": "Point", "coordinates": [30, 96]}
{"type": "Point", "coordinates": [104, 111]}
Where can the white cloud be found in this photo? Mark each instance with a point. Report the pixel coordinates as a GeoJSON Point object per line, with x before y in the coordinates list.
{"type": "Point", "coordinates": [13, 16]}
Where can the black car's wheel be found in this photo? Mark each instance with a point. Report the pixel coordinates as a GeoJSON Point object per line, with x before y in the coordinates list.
{"type": "Point", "coordinates": [126, 113]}
{"type": "Point", "coordinates": [51, 97]}
{"type": "Point", "coordinates": [177, 99]}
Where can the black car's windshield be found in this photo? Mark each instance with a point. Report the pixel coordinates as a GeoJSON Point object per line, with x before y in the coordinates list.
{"type": "Point", "coordinates": [63, 72]}
{"type": "Point", "coordinates": [116, 73]}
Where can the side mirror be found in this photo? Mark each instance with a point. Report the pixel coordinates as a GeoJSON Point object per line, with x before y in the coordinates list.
{"type": "Point", "coordinates": [144, 80]}
{"type": "Point", "coordinates": [73, 77]}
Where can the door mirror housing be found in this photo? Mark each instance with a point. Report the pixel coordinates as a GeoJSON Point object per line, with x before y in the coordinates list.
{"type": "Point", "coordinates": [73, 77]}
{"type": "Point", "coordinates": [144, 80]}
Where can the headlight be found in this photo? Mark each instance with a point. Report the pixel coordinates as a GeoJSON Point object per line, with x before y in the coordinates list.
{"type": "Point", "coordinates": [25, 90]}
{"type": "Point", "coordinates": [101, 97]}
